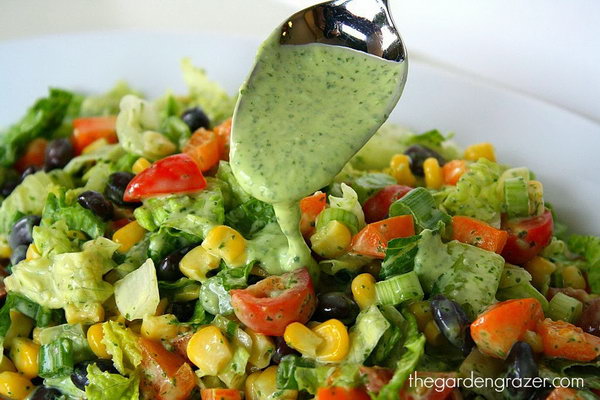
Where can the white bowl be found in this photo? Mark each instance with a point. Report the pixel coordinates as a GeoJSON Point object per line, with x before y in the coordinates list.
{"type": "Point", "coordinates": [562, 148]}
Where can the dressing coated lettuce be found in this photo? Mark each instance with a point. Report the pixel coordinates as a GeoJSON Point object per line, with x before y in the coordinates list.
{"type": "Point", "coordinates": [137, 294]}
{"type": "Point", "coordinates": [74, 215]}
{"type": "Point", "coordinates": [122, 345]}
{"type": "Point", "coordinates": [106, 103]}
{"type": "Point", "coordinates": [104, 385]}
{"type": "Point", "coordinates": [53, 239]}
{"type": "Point", "coordinates": [589, 247]}
{"type": "Point", "coordinates": [365, 334]}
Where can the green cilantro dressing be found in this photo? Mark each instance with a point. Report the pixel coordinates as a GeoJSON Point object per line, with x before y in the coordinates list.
{"type": "Point", "coordinates": [302, 114]}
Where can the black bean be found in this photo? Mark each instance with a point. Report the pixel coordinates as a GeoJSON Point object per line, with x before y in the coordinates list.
{"type": "Point", "coordinates": [96, 202]}
{"type": "Point", "coordinates": [168, 268]}
{"type": "Point", "coordinates": [183, 311]}
{"type": "Point", "coordinates": [58, 153]}
{"type": "Point", "coordinates": [418, 154]}
{"type": "Point", "coordinates": [452, 322]}
{"type": "Point", "coordinates": [21, 232]}
{"type": "Point", "coordinates": [18, 254]}
{"type": "Point", "coordinates": [195, 118]}
{"type": "Point", "coordinates": [8, 186]}
{"type": "Point", "coordinates": [336, 305]}
{"type": "Point", "coordinates": [79, 375]}
{"type": "Point", "coordinates": [45, 393]}
{"type": "Point", "coordinates": [521, 367]}
{"type": "Point", "coordinates": [115, 188]}
{"type": "Point", "coordinates": [590, 318]}
{"type": "Point", "coordinates": [281, 350]}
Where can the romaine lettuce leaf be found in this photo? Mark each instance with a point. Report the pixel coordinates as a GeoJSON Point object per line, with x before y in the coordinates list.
{"type": "Point", "coordinates": [68, 278]}
{"type": "Point", "coordinates": [104, 385]}
{"type": "Point", "coordinates": [365, 334]}
{"type": "Point", "coordinates": [203, 92]}
{"type": "Point", "coordinates": [137, 294]}
{"type": "Point", "coordinates": [195, 213]}
{"type": "Point", "coordinates": [122, 345]}
{"type": "Point", "coordinates": [66, 386]}
{"type": "Point", "coordinates": [167, 240]}
{"type": "Point", "coordinates": [589, 247]}
{"type": "Point", "coordinates": [27, 198]}
{"type": "Point", "coordinates": [73, 332]}
{"type": "Point", "coordinates": [138, 125]}
{"type": "Point", "coordinates": [476, 195]}
{"type": "Point", "coordinates": [74, 215]}
{"type": "Point", "coordinates": [236, 195]}
{"type": "Point", "coordinates": [53, 239]}
{"type": "Point", "coordinates": [41, 120]}
{"type": "Point", "coordinates": [399, 256]}
{"type": "Point", "coordinates": [106, 103]}
{"type": "Point", "coordinates": [250, 217]}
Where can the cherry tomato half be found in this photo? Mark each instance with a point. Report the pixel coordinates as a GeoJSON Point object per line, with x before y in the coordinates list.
{"type": "Point", "coordinates": [527, 237]}
{"type": "Point", "coordinates": [377, 206]}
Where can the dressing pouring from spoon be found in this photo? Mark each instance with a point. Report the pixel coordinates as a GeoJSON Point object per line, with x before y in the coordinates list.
{"type": "Point", "coordinates": [321, 86]}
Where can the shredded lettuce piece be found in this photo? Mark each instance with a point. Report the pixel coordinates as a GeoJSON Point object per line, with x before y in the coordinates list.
{"type": "Point", "coordinates": [138, 125]}
{"type": "Point", "coordinates": [203, 92]}
{"type": "Point", "coordinates": [365, 334]}
{"type": "Point", "coordinates": [104, 385]}
{"type": "Point", "coordinates": [106, 103]}
{"type": "Point", "coordinates": [476, 195]}
{"type": "Point", "coordinates": [195, 213]}
{"type": "Point", "coordinates": [27, 198]}
{"type": "Point", "coordinates": [67, 278]}
{"type": "Point", "coordinates": [349, 202]}
{"type": "Point", "coordinates": [53, 239]}
{"type": "Point", "coordinates": [74, 215]}
{"type": "Point", "coordinates": [137, 294]}
{"type": "Point", "coordinates": [41, 120]}
{"type": "Point", "coordinates": [589, 247]}
{"type": "Point", "coordinates": [122, 345]}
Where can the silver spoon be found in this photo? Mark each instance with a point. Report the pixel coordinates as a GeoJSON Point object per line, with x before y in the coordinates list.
{"type": "Point", "coordinates": [364, 25]}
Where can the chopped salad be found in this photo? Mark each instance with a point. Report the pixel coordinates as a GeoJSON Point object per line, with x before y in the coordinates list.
{"type": "Point", "coordinates": [135, 266]}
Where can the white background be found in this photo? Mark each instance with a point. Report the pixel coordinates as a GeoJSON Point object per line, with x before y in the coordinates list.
{"type": "Point", "coordinates": [546, 48]}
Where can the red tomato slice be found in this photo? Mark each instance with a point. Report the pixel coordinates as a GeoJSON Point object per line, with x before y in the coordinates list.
{"type": "Point", "coordinates": [563, 393]}
{"type": "Point", "coordinates": [372, 240]}
{"type": "Point", "coordinates": [270, 305]}
{"type": "Point", "coordinates": [35, 154]}
{"type": "Point", "coordinates": [413, 390]}
{"type": "Point", "coordinates": [203, 147]}
{"type": "Point", "coordinates": [311, 207]}
{"type": "Point", "coordinates": [221, 394]}
{"type": "Point", "coordinates": [477, 233]}
{"type": "Point", "coordinates": [375, 378]}
{"type": "Point", "coordinates": [377, 206]}
{"type": "Point", "coordinates": [527, 237]}
{"type": "Point", "coordinates": [340, 393]}
{"type": "Point", "coordinates": [503, 324]}
{"type": "Point", "coordinates": [166, 375]}
{"type": "Point", "coordinates": [564, 340]}
{"type": "Point", "coordinates": [174, 174]}
{"type": "Point", "coordinates": [87, 130]}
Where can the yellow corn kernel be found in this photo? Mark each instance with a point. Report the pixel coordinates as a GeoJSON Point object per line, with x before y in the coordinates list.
{"type": "Point", "coordinates": [20, 326]}
{"type": "Point", "coordinates": [434, 177]}
{"type": "Point", "coordinates": [534, 340]}
{"type": "Point", "coordinates": [400, 170]}
{"type": "Point", "coordinates": [363, 290]}
{"type": "Point", "coordinates": [261, 350]}
{"type": "Point", "coordinates": [332, 240]}
{"type": "Point", "coordinates": [7, 365]}
{"type": "Point", "coordinates": [432, 334]}
{"type": "Point", "coordinates": [5, 250]}
{"type": "Point", "coordinates": [225, 242]}
{"type": "Point", "coordinates": [76, 234]}
{"type": "Point", "coordinates": [262, 385]}
{"type": "Point", "coordinates": [128, 236]}
{"type": "Point", "coordinates": [209, 350]}
{"type": "Point", "coordinates": [159, 327]}
{"type": "Point", "coordinates": [302, 339]}
{"type": "Point", "coordinates": [336, 342]}
{"type": "Point", "coordinates": [140, 165]}
{"type": "Point", "coordinates": [88, 313]}
{"type": "Point", "coordinates": [95, 334]}
{"type": "Point", "coordinates": [573, 278]}
{"type": "Point", "coordinates": [480, 150]}
{"type": "Point", "coordinates": [32, 252]}
{"type": "Point", "coordinates": [14, 386]}
{"type": "Point", "coordinates": [162, 306]}
{"type": "Point", "coordinates": [197, 263]}
{"type": "Point", "coordinates": [24, 354]}
{"type": "Point", "coordinates": [422, 312]}
{"type": "Point", "coordinates": [535, 189]}
{"type": "Point", "coordinates": [94, 146]}
{"type": "Point", "coordinates": [540, 269]}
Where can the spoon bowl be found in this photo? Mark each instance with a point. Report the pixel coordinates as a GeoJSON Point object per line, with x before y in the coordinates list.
{"type": "Point", "coordinates": [363, 25]}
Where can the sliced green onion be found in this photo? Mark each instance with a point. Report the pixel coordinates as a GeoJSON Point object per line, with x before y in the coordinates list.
{"type": "Point", "coordinates": [535, 190]}
{"type": "Point", "coordinates": [513, 173]}
{"type": "Point", "coordinates": [516, 197]}
{"type": "Point", "coordinates": [56, 358]}
{"type": "Point", "coordinates": [399, 289]}
{"type": "Point", "coordinates": [420, 203]}
{"type": "Point", "coordinates": [337, 214]}
{"type": "Point", "coordinates": [565, 308]}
